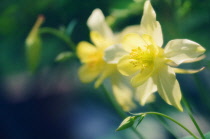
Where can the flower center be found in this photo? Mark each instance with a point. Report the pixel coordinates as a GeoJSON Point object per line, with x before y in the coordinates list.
{"type": "Point", "coordinates": [143, 58]}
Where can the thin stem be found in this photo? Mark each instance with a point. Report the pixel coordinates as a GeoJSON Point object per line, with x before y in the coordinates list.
{"type": "Point", "coordinates": [156, 113]}
{"type": "Point", "coordinates": [60, 35]}
{"type": "Point", "coordinates": [189, 111]}
{"type": "Point", "coordinates": [119, 110]}
{"type": "Point", "coordinates": [163, 122]}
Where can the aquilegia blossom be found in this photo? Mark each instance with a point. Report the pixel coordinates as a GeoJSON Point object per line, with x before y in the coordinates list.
{"type": "Point", "coordinates": [152, 67]}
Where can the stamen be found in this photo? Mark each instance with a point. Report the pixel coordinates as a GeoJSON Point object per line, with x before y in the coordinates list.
{"type": "Point", "coordinates": [142, 58]}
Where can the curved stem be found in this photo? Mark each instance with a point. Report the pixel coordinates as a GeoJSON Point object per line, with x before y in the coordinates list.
{"type": "Point", "coordinates": [163, 122]}
{"type": "Point", "coordinates": [119, 110]}
{"type": "Point", "coordinates": [160, 114]}
{"type": "Point", "coordinates": [189, 111]}
{"type": "Point", "coordinates": [60, 35]}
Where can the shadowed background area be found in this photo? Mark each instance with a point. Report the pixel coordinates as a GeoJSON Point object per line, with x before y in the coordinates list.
{"type": "Point", "coordinates": [54, 104]}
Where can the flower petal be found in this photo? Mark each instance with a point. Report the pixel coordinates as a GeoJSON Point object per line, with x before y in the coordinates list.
{"type": "Point", "coordinates": [113, 53]}
{"type": "Point", "coordinates": [130, 29]}
{"type": "Point", "coordinates": [133, 41]}
{"type": "Point", "coordinates": [145, 90]}
{"type": "Point", "coordinates": [142, 77]}
{"type": "Point", "coordinates": [168, 87]}
{"type": "Point", "coordinates": [149, 25]}
{"type": "Point", "coordinates": [183, 71]}
{"type": "Point", "coordinates": [107, 71]}
{"type": "Point", "coordinates": [96, 22]}
{"type": "Point", "coordinates": [88, 74]}
{"type": "Point", "coordinates": [84, 50]}
{"type": "Point", "coordinates": [181, 50]}
{"type": "Point", "coordinates": [99, 40]}
{"type": "Point", "coordinates": [125, 67]}
{"type": "Point", "coordinates": [195, 60]}
{"type": "Point", "coordinates": [123, 92]}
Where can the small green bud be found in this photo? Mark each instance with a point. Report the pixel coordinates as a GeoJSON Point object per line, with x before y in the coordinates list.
{"type": "Point", "coordinates": [33, 45]}
{"type": "Point", "coordinates": [126, 123]}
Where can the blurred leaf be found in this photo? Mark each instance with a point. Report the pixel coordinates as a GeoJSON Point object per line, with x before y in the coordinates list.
{"type": "Point", "coordinates": [7, 21]}
{"type": "Point", "coordinates": [126, 123]}
{"type": "Point", "coordinates": [33, 46]}
{"type": "Point", "coordinates": [71, 27]}
{"type": "Point", "coordinates": [207, 135]}
{"type": "Point", "coordinates": [190, 137]}
{"type": "Point", "coordinates": [64, 56]}
{"type": "Point", "coordinates": [122, 15]}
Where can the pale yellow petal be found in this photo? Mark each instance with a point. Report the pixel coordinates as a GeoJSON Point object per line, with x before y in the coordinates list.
{"type": "Point", "coordinates": [88, 73]}
{"type": "Point", "coordinates": [144, 91]}
{"type": "Point", "coordinates": [189, 71]}
{"type": "Point", "coordinates": [113, 54]}
{"type": "Point", "coordinates": [99, 40]}
{"type": "Point", "coordinates": [125, 67]}
{"type": "Point", "coordinates": [96, 22]}
{"type": "Point", "coordinates": [195, 60]}
{"type": "Point", "coordinates": [107, 71]}
{"type": "Point", "coordinates": [168, 87]}
{"type": "Point", "coordinates": [84, 50]}
{"type": "Point", "coordinates": [130, 29]}
{"type": "Point", "coordinates": [123, 92]}
{"type": "Point", "coordinates": [149, 25]}
{"type": "Point", "coordinates": [142, 77]}
{"type": "Point", "coordinates": [183, 50]}
{"type": "Point", "coordinates": [133, 41]}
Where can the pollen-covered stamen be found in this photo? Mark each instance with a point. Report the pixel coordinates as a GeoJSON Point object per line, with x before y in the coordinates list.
{"type": "Point", "coordinates": [142, 58]}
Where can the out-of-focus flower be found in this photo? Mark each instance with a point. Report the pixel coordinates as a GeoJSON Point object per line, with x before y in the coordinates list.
{"type": "Point", "coordinates": [95, 68]}
{"type": "Point", "coordinates": [152, 67]}
{"type": "Point", "coordinates": [92, 56]}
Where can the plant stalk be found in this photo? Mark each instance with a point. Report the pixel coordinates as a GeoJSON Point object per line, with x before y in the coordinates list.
{"type": "Point", "coordinates": [186, 129]}
{"type": "Point", "coordinates": [189, 111]}
{"type": "Point", "coordinates": [61, 35]}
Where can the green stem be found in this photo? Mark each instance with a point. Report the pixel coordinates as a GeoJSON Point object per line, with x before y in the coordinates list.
{"type": "Point", "coordinates": [119, 110]}
{"type": "Point", "coordinates": [160, 114]}
{"type": "Point", "coordinates": [163, 122]}
{"type": "Point", "coordinates": [189, 111]}
{"type": "Point", "coordinates": [60, 35]}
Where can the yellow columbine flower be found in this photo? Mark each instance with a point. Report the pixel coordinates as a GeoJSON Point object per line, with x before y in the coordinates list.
{"type": "Point", "coordinates": [152, 67]}
{"type": "Point", "coordinates": [95, 68]}
{"type": "Point", "coordinates": [92, 57]}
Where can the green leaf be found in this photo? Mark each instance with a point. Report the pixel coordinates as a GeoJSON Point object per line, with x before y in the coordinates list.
{"type": "Point", "coordinates": [126, 123]}
{"type": "Point", "coordinates": [188, 137]}
{"type": "Point", "coordinates": [71, 27]}
{"type": "Point", "coordinates": [141, 117]}
{"type": "Point", "coordinates": [64, 56]}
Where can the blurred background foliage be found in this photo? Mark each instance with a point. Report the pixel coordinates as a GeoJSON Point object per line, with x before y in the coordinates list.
{"type": "Point", "coordinates": [51, 103]}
